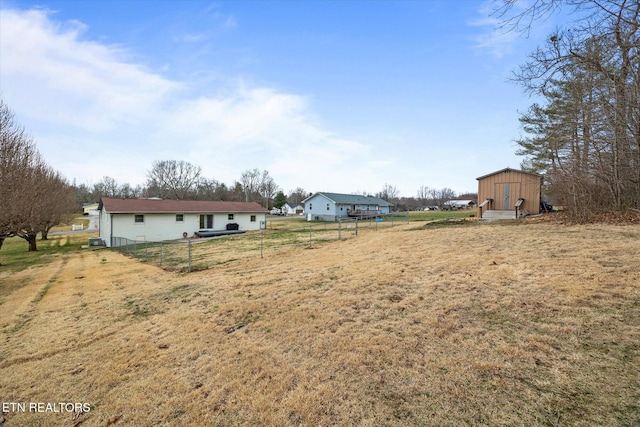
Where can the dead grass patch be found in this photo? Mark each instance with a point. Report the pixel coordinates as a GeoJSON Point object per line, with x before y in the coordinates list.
{"type": "Point", "coordinates": [489, 324]}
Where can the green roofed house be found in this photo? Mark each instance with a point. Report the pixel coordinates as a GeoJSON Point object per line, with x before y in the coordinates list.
{"type": "Point", "coordinates": [334, 206]}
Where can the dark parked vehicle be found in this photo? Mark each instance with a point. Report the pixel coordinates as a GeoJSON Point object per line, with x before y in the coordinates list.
{"type": "Point", "coordinates": [545, 206]}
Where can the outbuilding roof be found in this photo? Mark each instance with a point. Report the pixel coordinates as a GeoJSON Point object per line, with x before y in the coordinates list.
{"type": "Point", "coordinates": [176, 206]}
{"type": "Point", "coordinates": [352, 199]}
{"type": "Point", "coordinates": [509, 170]}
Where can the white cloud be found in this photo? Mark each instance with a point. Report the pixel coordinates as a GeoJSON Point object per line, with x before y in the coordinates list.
{"type": "Point", "coordinates": [506, 30]}
{"type": "Point", "coordinates": [94, 111]}
{"type": "Point", "coordinates": [227, 22]}
{"type": "Point", "coordinates": [53, 76]}
{"type": "Point", "coordinates": [192, 37]}
{"type": "Point", "coordinates": [494, 38]}
{"type": "Point", "coordinates": [80, 96]}
{"type": "Point", "coordinates": [260, 127]}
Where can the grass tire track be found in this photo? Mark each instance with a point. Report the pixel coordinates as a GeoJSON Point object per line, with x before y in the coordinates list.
{"type": "Point", "coordinates": [23, 318]}
{"type": "Point", "coordinates": [51, 353]}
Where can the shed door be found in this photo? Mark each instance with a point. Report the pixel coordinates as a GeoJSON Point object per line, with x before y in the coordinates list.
{"type": "Point", "coordinates": [506, 194]}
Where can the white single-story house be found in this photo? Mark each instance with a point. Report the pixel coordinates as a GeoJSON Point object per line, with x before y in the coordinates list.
{"type": "Point", "coordinates": [291, 209]}
{"type": "Point", "coordinates": [154, 219]}
{"type": "Point", "coordinates": [333, 206]}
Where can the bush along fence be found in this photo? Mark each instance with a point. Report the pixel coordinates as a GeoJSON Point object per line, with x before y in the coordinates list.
{"type": "Point", "coordinates": [193, 254]}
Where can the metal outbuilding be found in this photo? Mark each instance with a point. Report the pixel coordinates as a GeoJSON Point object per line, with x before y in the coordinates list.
{"type": "Point", "coordinates": [509, 193]}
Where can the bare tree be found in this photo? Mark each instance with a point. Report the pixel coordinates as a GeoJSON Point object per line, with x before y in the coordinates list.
{"type": "Point", "coordinates": [19, 169]}
{"type": "Point", "coordinates": [173, 179]}
{"type": "Point", "coordinates": [210, 189]}
{"type": "Point", "coordinates": [125, 191]}
{"type": "Point", "coordinates": [250, 181]}
{"type": "Point", "coordinates": [57, 201]}
{"type": "Point", "coordinates": [34, 196]}
{"type": "Point", "coordinates": [587, 136]}
{"type": "Point", "coordinates": [423, 194]}
{"type": "Point", "coordinates": [108, 187]}
{"type": "Point", "coordinates": [439, 197]}
{"type": "Point", "coordinates": [268, 187]}
{"type": "Point", "coordinates": [389, 193]}
{"type": "Point", "coordinates": [297, 196]}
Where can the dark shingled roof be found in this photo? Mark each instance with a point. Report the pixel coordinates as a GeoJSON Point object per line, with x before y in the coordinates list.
{"type": "Point", "coordinates": [177, 206]}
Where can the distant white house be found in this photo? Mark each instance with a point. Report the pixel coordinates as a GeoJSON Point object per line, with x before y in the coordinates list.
{"type": "Point", "coordinates": [156, 219]}
{"type": "Point", "coordinates": [333, 206]}
{"type": "Point", "coordinates": [460, 204]}
{"type": "Point", "coordinates": [291, 209]}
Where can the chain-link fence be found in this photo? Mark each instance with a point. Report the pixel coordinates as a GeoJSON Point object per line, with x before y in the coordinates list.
{"type": "Point", "coordinates": [205, 253]}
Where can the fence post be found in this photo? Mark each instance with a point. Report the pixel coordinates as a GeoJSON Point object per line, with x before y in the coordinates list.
{"type": "Point", "coordinates": [189, 244]}
{"type": "Point", "coordinates": [339, 229]}
{"type": "Point", "coordinates": [261, 242]}
{"type": "Point", "coordinates": [310, 236]}
{"type": "Point", "coordinates": [161, 253]}
{"type": "Point", "coordinates": [356, 226]}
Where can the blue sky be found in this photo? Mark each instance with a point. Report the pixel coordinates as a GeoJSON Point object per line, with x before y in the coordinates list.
{"type": "Point", "coordinates": [338, 96]}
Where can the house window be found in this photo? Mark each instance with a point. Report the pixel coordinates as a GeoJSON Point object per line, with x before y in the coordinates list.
{"type": "Point", "coordinates": [310, 206]}
{"type": "Point", "coordinates": [253, 218]}
{"type": "Point", "coordinates": [230, 216]}
{"type": "Point", "coordinates": [179, 218]}
{"type": "Point", "coordinates": [327, 206]}
{"type": "Point", "coordinates": [138, 219]}
{"type": "Point", "coordinates": [206, 221]}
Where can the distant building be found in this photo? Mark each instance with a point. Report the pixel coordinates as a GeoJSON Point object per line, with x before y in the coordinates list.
{"type": "Point", "coordinates": [333, 206]}
{"type": "Point", "coordinates": [460, 204]}
{"type": "Point", "coordinates": [509, 193]}
{"type": "Point", "coordinates": [155, 220]}
{"type": "Point", "coordinates": [90, 208]}
{"type": "Point", "coordinates": [291, 209]}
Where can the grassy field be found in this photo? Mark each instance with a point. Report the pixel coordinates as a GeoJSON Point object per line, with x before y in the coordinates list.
{"type": "Point", "coordinates": [281, 234]}
{"type": "Point", "coordinates": [292, 222]}
{"type": "Point", "coordinates": [425, 323]}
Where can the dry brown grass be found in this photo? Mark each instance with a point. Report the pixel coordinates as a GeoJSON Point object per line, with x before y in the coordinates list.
{"type": "Point", "coordinates": [487, 324]}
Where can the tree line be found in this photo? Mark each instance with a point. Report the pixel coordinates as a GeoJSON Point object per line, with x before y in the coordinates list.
{"type": "Point", "coordinates": [585, 134]}
{"type": "Point", "coordinates": [181, 180]}
{"type": "Point", "coordinates": [33, 196]}
{"type": "Point", "coordinates": [174, 179]}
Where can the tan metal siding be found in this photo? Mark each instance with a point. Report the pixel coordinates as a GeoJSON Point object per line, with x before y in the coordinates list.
{"type": "Point", "coordinates": [520, 184]}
